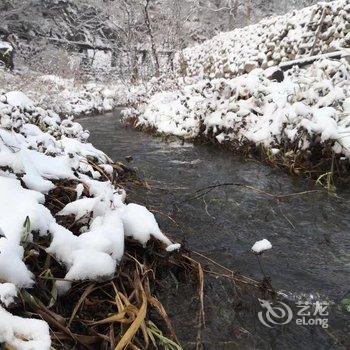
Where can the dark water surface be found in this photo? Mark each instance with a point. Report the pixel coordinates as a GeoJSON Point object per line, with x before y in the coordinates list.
{"type": "Point", "coordinates": [310, 234]}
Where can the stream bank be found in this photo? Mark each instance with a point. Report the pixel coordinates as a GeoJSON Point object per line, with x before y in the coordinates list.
{"type": "Point", "coordinates": [310, 236]}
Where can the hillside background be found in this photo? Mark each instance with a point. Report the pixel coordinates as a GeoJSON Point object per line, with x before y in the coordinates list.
{"type": "Point", "coordinates": [78, 37]}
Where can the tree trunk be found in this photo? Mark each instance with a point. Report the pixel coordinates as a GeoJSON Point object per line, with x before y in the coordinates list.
{"type": "Point", "coordinates": [153, 45]}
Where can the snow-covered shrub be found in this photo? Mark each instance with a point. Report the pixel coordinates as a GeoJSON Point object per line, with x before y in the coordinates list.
{"type": "Point", "coordinates": [67, 96]}
{"type": "Point", "coordinates": [309, 107]}
{"type": "Point", "coordinates": [38, 151]}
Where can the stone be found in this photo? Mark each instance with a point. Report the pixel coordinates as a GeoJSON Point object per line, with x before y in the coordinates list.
{"type": "Point", "coordinates": [249, 66]}
{"type": "Point", "coordinates": [274, 74]}
{"type": "Point", "coordinates": [6, 54]}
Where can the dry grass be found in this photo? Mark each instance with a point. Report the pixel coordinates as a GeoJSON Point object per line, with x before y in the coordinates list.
{"type": "Point", "coordinates": [106, 314]}
{"type": "Point", "coordinates": [123, 312]}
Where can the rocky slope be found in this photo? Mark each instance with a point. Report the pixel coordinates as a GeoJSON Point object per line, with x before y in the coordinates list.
{"type": "Point", "coordinates": [233, 92]}
{"type": "Point", "coordinates": [317, 29]}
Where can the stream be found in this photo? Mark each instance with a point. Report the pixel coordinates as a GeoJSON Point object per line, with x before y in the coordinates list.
{"type": "Point", "coordinates": [310, 234]}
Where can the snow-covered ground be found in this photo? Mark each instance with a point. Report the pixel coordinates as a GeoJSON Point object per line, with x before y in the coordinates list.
{"type": "Point", "coordinates": [70, 97]}
{"type": "Point", "coordinates": [310, 105]}
{"type": "Point", "coordinates": [317, 29]}
{"type": "Point", "coordinates": [38, 151]}
{"type": "Point", "coordinates": [298, 112]}
{"type": "Point", "coordinates": [66, 96]}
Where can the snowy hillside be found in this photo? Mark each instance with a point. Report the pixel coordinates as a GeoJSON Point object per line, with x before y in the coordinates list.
{"type": "Point", "coordinates": [40, 156]}
{"type": "Point", "coordinates": [317, 29]}
{"type": "Point", "coordinates": [235, 94]}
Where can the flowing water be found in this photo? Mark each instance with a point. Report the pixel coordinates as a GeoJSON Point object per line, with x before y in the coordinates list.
{"type": "Point", "coordinates": [310, 234]}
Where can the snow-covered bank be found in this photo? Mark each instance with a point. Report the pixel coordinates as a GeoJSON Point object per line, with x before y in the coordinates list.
{"type": "Point", "coordinates": [232, 91]}
{"type": "Point", "coordinates": [40, 156]}
{"type": "Point", "coordinates": [306, 113]}
{"type": "Point", "coordinates": [317, 29]}
{"type": "Point", "coordinates": [66, 97]}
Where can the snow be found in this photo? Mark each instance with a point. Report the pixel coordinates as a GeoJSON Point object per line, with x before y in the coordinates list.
{"type": "Point", "coordinates": [79, 189]}
{"type": "Point", "coordinates": [261, 246]}
{"type": "Point", "coordinates": [309, 106]}
{"type": "Point", "coordinates": [8, 293]}
{"type": "Point", "coordinates": [66, 97]}
{"type": "Point", "coordinates": [173, 247]}
{"type": "Point", "coordinates": [100, 59]}
{"type": "Point", "coordinates": [233, 91]}
{"type": "Point", "coordinates": [23, 333]}
{"type": "Point", "coordinates": [62, 287]}
{"type": "Point", "coordinates": [106, 235]}
{"type": "Point", "coordinates": [270, 42]}
{"type": "Point", "coordinates": [104, 242]}
{"type": "Point", "coordinates": [229, 93]}
{"type": "Point", "coordinates": [37, 149]}
{"type": "Point", "coordinates": [18, 99]}
{"type": "Point", "coordinates": [346, 105]}
{"type": "Point", "coordinates": [82, 99]}
{"type": "Point", "coordinates": [80, 207]}
{"type": "Point", "coordinates": [16, 204]}
{"type": "Point", "coordinates": [13, 268]}
{"type": "Point", "coordinates": [5, 46]}
{"type": "Point", "coordinates": [90, 264]}
{"type": "Point", "coordinates": [140, 224]}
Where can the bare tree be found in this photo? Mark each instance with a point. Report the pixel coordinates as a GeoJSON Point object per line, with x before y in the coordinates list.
{"type": "Point", "coordinates": [150, 34]}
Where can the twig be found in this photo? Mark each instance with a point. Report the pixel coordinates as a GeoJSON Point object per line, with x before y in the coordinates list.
{"type": "Point", "coordinates": [286, 217]}
{"type": "Point", "coordinates": [206, 209]}
{"type": "Point", "coordinates": [201, 314]}
{"type": "Point", "coordinates": [205, 190]}
{"type": "Point", "coordinates": [323, 16]}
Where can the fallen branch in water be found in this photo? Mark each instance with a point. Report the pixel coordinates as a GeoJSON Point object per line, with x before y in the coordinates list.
{"type": "Point", "coordinates": [205, 190]}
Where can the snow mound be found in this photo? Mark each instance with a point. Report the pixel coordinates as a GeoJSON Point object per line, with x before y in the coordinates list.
{"type": "Point", "coordinates": [8, 293]}
{"type": "Point", "coordinates": [23, 333]}
{"type": "Point", "coordinates": [140, 224]}
{"type": "Point", "coordinates": [38, 151]}
{"type": "Point", "coordinates": [261, 246]}
{"type": "Point", "coordinates": [4, 45]}
{"type": "Point", "coordinates": [18, 99]}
